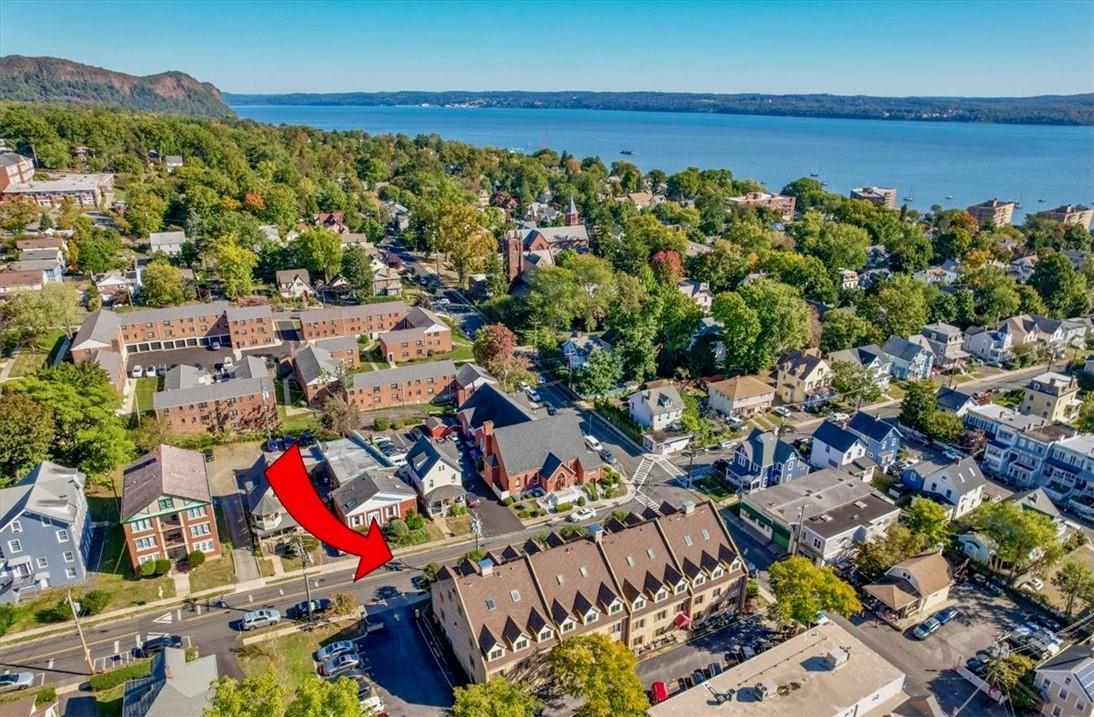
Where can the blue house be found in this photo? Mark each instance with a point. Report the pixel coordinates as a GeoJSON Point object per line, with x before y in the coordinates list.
{"type": "Point", "coordinates": [882, 439]}
{"type": "Point", "coordinates": [45, 536]}
{"type": "Point", "coordinates": [911, 361]}
{"type": "Point", "coordinates": [762, 460]}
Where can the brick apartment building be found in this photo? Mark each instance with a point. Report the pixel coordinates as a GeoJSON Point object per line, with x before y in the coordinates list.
{"type": "Point", "coordinates": [362, 320]}
{"type": "Point", "coordinates": [192, 403]}
{"type": "Point", "coordinates": [402, 386]}
{"type": "Point", "coordinates": [641, 581]}
{"type": "Point", "coordinates": [419, 334]}
{"type": "Point", "coordinates": [174, 327]}
{"type": "Point", "coordinates": [993, 212]}
{"type": "Point", "coordinates": [82, 190]}
{"type": "Point", "coordinates": [15, 169]}
{"type": "Point", "coordinates": [779, 203]}
{"type": "Point", "coordinates": [167, 509]}
{"type": "Point", "coordinates": [316, 366]}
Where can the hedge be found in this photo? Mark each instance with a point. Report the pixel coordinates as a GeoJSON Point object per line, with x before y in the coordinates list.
{"type": "Point", "coordinates": [564, 507]}
{"type": "Point", "coordinates": [108, 680]}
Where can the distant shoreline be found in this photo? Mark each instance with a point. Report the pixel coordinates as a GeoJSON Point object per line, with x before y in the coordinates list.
{"type": "Point", "coordinates": [1059, 110]}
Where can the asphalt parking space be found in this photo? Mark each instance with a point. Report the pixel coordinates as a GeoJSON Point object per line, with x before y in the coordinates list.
{"type": "Point", "coordinates": [205, 356]}
{"type": "Point", "coordinates": [412, 680]}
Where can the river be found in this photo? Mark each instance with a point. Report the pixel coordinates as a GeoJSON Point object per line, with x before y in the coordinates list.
{"type": "Point", "coordinates": [949, 163]}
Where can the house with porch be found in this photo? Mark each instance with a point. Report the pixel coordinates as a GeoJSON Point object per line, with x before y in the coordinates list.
{"type": "Point", "coordinates": [916, 586]}
{"type": "Point", "coordinates": [433, 468]}
{"type": "Point", "coordinates": [834, 446]}
{"type": "Point", "coordinates": [989, 345]}
{"type": "Point", "coordinates": [762, 460]}
{"type": "Point", "coordinates": [910, 361]}
{"type": "Point", "coordinates": [881, 438]}
{"type": "Point", "coordinates": [803, 378]}
{"type": "Point", "coordinates": [294, 283]}
{"type": "Point", "coordinates": [958, 485]}
{"type": "Point", "coordinates": [875, 363]}
{"type": "Point", "coordinates": [945, 342]}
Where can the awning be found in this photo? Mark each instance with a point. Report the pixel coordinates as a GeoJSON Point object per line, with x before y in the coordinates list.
{"type": "Point", "coordinates": [891, 595]}
{"type": "Point", "coordinates": [682, 621]}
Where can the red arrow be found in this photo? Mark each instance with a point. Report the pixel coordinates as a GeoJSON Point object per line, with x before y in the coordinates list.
{"type": "Point", "coordinates": [289, 479]}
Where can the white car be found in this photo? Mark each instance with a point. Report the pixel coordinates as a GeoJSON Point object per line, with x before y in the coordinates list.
{"type": "Point", "coordinates": [215, 346]}
{"type": "Point", "coordinates": [534, 396]}
{"type": "Point", "coordinates": [839, 416]}
{"type": "Point", "coordinates": [523, 386]}
{"type": "Point", "coordinates": [150, 371]}
{"type": "Point", "coordinates": [229, 362]}
{"type": "Point", "coordinates": [1034, 584]}
{"type": "Point", "coordinates": [782, 411]}
{"type": "Point", "coordinates": [137, 372]}
{"type": "Point", "coordinates": [581, 514]}
{"type": "Point", "coordinates": [260, 618]}
{"type": "Point", "coordinates": [592, 443]}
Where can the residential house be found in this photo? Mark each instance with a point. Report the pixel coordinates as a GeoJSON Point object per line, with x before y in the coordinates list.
{"type": "Point", "coordinates": [1068, 473]}
{"type": "Point", "coordinates": [1017, 444]}
{"type": "Point", "coordinates": [176, 686]}
{"type": "Point", "coordinates": [989, 345]}
{"type": "Point", "coordinates": [710, 330]}
{"type": "Point", "coordinates": [698, 292]}
{"type": "Point", "coordinates": [910, 361]}
{"type": "Point", "coordinates": [762, 460]}
{"type": "Point", "coordinates": [243, 401]}
{"type": "Point", "coordinates": [942, 275]}
{"type": "Point", "coordinates": [433, 468]}
{"type": "Point", "coordinates": [1038, 331]}
{"type": "Point", "coordinates": [15, 169]}
{"type": "Point", "coordinates": [119, 286]}
{"type": "Point", "coordinates": [993, 213]}
{"type": "Point", "coordinates": [577, 349]}
{"type": "Point", "coordinates": [294, 283]}
{"type": "Point", "coordinates": [958, 485]}
{"type": "Point", "coordinates": [955, 401]}
{"type": "Point", "coordinates": [1022, 267]}
{"type": "Point", "coordinates": [881, 438]}
{"type": "Point", "coordinates": [1037, 501]}
{"type": "Point", "coordinates": [169, 243]}
{"type": "Point", "coordinates": [848, 279]}
{"type": "Point", "coordinates": [334, 222]}
{"type": "Point", "coordinates": [1070, 214]}
{"type": "Point", "coordinates": [427, 382]}
{"type": "Point", "coordinates": [804, 378]}
{"type": "Point", "coordinates": [166, 507]}
{"type": "Point", "coordinates": [48, 240]}
{"type": "Point", "coordinates": [469, 378]}
{"type": "Point", "coordinates": [875, 363]}
{"type": "Point", "coordinates": [741, 397]}
{"type": "Point", "coordinates": [1066, 680]}
{"type": "Point", "coordinates": [835, 447]}
{"type": "Point", "coordinates": [915, 586]}
{"type": "Point", "coordinates": [641, 581]}
{"type": "Point", "coordinates": [885, 196]}
{"type": "Point", "coordinates": [823, 515]}
{"type": "Point", "coordinates": [945, 342]}
{"type": "Point", "coordinates": [657, 407]}
{"type": "Point", "coordinates": [418, 335]}
{"type": "Point", "coordinates": [779, 203]}
{"type": "Point", "coordinates": [172, 162]}
{"type": "Point", "coordinates": [374, 496]}
{"type": "Point", "coordinates": [45, 534]}
{"type": "Point", "coordinates": [1052, 396]}
{"type": "Point", "coordinates": [12, 282]}
{"type": "Point", "coordinates": [268, 517]}
{"type": "Point", "coordinates": [52, 270]}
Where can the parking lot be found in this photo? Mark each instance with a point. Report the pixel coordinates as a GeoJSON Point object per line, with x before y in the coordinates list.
{"type": "Point", "coordinates": [192, 356]}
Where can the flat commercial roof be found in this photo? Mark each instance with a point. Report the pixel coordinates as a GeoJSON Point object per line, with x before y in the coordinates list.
{"type": "Point", "coordinates": [799, 668]}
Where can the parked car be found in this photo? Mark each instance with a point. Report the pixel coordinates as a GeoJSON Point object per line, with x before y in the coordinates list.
{"type": "Point", "coordinates": [158, 644]}
{"type": "Point", "coordinates": [301, 609]}
{"type": "Point", "coordinates": [208, 455]}
{"type": "Point", "coordinates": [524, 386]}
{"type": "Point", "coordinates": [592, 443]}
{"type": "Point", "coordinates": [342, 663]}
{"type": "Point", "coordinates": [607, 456]}
{"type": "Point", "coordinates": [1034, 585]}
{"type": "Point", "coordinates": [11, 681]}
{"type": "Point", "coordinates": [839, 416]}
{"type": "Point", "coordinates": [137, 372]}
{"type": "Point", "coordinates": [260, 618]}
{"type": "Point", "coordinates": [735, 422]}
{"type": "Point", "coordinates": [534, 397]}
{"type": "Point", "coordinates": [334, 649]}
{"type": "Point", "coordinates": [551, 410]}
{"type": "Point", "coordinates": [581, 514]}
{"type": "Point", "coordinates": [944, 616]}
{"type": "Point", "coordinates": [926, 628]}
{"type": "Point", "coordinates": [150, 371]}
{"type": "Point", "coordinates": [658, 693]}
{"type": "Point", "coordinates": [273, 445]}
{"type": "Point", "coordinates": [782, 411]}
{"type": "Point", "coordinates": [215, 346]}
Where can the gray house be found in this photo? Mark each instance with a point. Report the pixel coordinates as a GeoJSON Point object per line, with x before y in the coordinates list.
{"type": "Point", "coordinates": [911, 361]}
{"type": "Point", "coordinates": [875, 363]}
{"type": "Point", "coordinates": [45, 537]}
{"type": "Point", "coordinates": [882, 439]}
{"type": "Point", "coordinates": [762, 460]}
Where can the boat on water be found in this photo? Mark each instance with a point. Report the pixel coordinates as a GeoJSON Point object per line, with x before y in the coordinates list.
{"type": "Point", "coordinates": [949, 196]}
{"type": "Point", "coordinates": [909, 199]}
{"type": "Point", "coordinates": [1040, 201]}
{"type": "Point", "coordinates": [626, 152]}
{"type": "Point", "coordinates": [813, 174]}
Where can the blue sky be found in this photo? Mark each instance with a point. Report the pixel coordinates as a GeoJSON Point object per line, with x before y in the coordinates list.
{"type": "Point", "coordinates": [881, 47]}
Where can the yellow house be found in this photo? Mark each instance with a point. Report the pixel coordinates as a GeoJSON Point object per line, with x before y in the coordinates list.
{"type": "Point", "coordinates": [1051, 396]}
{"type": "Point", "coordinates": [802, 377]}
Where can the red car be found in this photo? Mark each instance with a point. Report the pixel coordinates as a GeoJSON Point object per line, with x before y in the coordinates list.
{"type": "Point", "coordinates": [658, 693]}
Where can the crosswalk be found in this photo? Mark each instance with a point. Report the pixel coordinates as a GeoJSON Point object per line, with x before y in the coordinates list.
{"type": "Point", "coordinates": [642, 474]}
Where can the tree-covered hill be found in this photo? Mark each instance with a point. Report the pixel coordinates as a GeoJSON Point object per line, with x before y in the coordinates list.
{"type": "Point", "coordinates": [50, 79]}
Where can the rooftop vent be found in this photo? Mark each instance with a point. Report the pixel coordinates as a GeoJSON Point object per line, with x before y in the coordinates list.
{"type": "Point", "coordinates": [834, 659]}
{"type": "Point", "coordinates": [486, 566]}
{"type": "Point", "coordinates": [689, 507]}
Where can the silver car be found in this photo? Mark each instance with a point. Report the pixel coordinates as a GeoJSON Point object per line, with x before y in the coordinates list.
{"type": "Point", "coordinates": [12, 681]}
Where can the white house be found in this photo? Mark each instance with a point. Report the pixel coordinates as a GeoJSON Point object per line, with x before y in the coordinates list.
{"type": "Point", "coordinates": [834, 446]}
{"type": "Point", "coordinates": [577, 349]}
{"type": "Point", "coordinates": [657, 407]}
{"type": "Point", "coordinates": [433, 468]}
{"type": "Point", "coordinates": [958, 486]}
{"type": "Point", "coordinates": [697, 291]}
{"type": "Point", "coordinates": [170, 243]}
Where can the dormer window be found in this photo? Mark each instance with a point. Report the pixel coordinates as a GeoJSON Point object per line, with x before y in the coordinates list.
{"type": "Point", "coordinates": [615, 607]}
{"type": "Point", "coordinates": [495, 653]}
{"type": "Point", "coordinates": [639, 603]}
{"type": "Point", "coordinates": [661, 594]}
{"type": "Point", "coordinates": [698, 580]}
{"type": "Point", "coordinates": [591, 616]}
{"type": "Point", "coordinates": [544, 634]}
{"type": "Point", "coordinates": [521, 643]}
{"type": "Point", "coordinates": [680, 587]}
{"type": "Point", "coordinates": [716, 572]}
{"type": "Point", "coordinates": [567, 625]}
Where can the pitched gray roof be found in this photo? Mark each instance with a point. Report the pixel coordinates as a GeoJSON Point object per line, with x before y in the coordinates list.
{"type": "Point", "coordinates": [341, 312]}
{"type": "Point", "coordinates": [338, 343]}
{"type": "Point", "coordinates": [537, 445]}
{"type": "Point", "coordinates": [157, 239]}
{"type": "Point", "coordinates": [835, 435]}
{"type": "Point", "coordinates": [664, 399]}
{"type": "Point", "coordinates": [181, 376]}
{"type": "Point", "coordinates": [902, 348]}
{"type": "Point", "coordinates": [175, 687]}
{"type": "Point", "coordinates": [410, 372]}
{"type": "Point", "coordinates": [861, 355]}
{"type": "Point", "coordinates": [951, 399]}
{"type": "Point", "coordinates": [469, 373]}
{"type": "Point", "coordinates": [965, 475]}
{"type": "Point", "coordinates": [100, 327]}
{"type": "Point", "coordinates": [367, 485]}
{"type": "Point", "coordinates": [764, 448]}
{"type": "Point", "coordinates": [1037, 500]}
{"type": "Point", "coordinates": [163, 471]}
{"type": "Point", "coordinates": [490, 403]}
{"type": "Point", "coordinates": [49, 489]}
{"type": "Point", "coordinates": [863, 424]}
{"type": "Point", "coordinates": [314, 364]}
{"type": "Point", "coordinates": [201, 393]}
{"type": "Point", "coordinates": [426, 453]}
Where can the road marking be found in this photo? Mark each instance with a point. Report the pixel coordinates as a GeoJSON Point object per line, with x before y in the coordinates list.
{"type": "Point", "coordinates": [178, 614]}
{"type": "Point", "coordinates": [116, 646]}
{"type": "Point", "coordinates": [49, 665]}
{"type": "Point", "coordinates": [281, 592]}
{"type": "Point", "coordinates": [164, 619]}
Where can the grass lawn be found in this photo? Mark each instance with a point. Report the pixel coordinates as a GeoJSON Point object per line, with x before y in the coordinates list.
{"type": "Point", "coordinates": [109, 700]}
{"type": "Point", "coordinates": [146, 388]}
{"type": "Point", "coordinates": [289, 655]}
{"type": "Point", "coordinates": [213, 573]}
{"type": "Point", "coordinates": [265, 567]}
{"type": "Point", "coordinates": [31, 358]}
{"type": "Point", "coordinates": [460, 525]}
{"type": "Point", "coordinates": [895, 392]}
{"type": "Point", "coordinates": [297, 422]}
{"type": "Point", "coordinates": [715, 487]}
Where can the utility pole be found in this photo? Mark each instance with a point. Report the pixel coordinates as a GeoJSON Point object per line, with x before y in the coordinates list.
{"type": "Point", "coordinates": [797, 532]}
{"type": "Point", "coordinates": [304, 572]}
{"type": "Point", "coordinates": [80, 632]}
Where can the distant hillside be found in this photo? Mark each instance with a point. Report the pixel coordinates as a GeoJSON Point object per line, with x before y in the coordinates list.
{"type": "Point", "coordinates": [50, 79]}
{"type": "Point", "coordinates": [1046, 109]}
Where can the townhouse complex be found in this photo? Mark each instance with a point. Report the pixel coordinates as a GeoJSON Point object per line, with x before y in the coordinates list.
{"type": "Point", "coordinates": [242, 399]}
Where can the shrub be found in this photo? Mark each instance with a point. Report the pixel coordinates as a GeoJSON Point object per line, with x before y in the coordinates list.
{"type": "Point", "coordinates": [507, 501]}
{"type": "Point", "coordinates": [148, 569]}
{"type": "Point", "coordinates": [414, 520]}
{"type": "Point", "coordinates": [7, 618]}
{"type": "Point", "coordinates": [564, 507]}
{"type": "Point", "coordinates": [163, 566]}
{"type": "Point", "coordinates": [114, 678]}
{"type": "Point", "coordinates": [94, 601]}
{"type": "Point", "coordinates": [47, 695]}
{"type": "Point", "coordinates": [381, 423]}
{"type": "Point", "coordinates": [342, 604]}
{"type": "Point", "coordinates": [398, 529]}
{"type": "Point", "coordinates": [456, 511]}
{"type": "Point", "coordinates": [196, 559]}
{"type": "Point", "coordinates": [429, 574]}
{"type": "Point", "coordinates": [581, 501]}
{"type": "Point", "coordinates": [58, 612]}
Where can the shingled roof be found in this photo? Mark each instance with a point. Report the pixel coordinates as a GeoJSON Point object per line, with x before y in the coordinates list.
{"type": "Point", "coordinates": [165, 471]}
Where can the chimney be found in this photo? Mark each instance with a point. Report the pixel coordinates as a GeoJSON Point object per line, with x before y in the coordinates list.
{"type": "Point", "coordinates": [688, 506]}
{"type": "Point", "coordinates": [487, 429]}
{"type": "Point", "coordinates": [486, 567]}
{"type": "Point", "coordinates": [597, 533]}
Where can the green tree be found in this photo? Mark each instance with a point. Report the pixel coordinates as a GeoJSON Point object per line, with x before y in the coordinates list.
{"type": "Point", "coordinates": [494, 350]}
{"type": "Point", "coordinates": [928, 519]}
{"type": "Point", "coordinates": [163, 284]}
{"type": "Point", "coordinates": [337, 417]}
{"type": "Point", "coordinates": [26, 434]}
{"type": "Point", "coordinates": [882, 552]}
{"type": "Point", "coordinates": [260, 696]}
{"type": "Point", "coordinates": [144, 212]}
{"type": "Point", "coordinates": [319, 251]}
{"type": "Point", "coordinates": [316, 697]}
{"type": "Point", "coordinates": [839, 246]}
{"type": "Point", "coordinates": [602, 673]}
{"type": "Point", "coordinates": [943, 426]}
{"type": "Point", "coordinates": [497, 697]}
{"type": "Point", "coordinates": [602, 372]}
{"type": "Point", "coordinates": [995, 293]}
{"type": "Point", "coordinates": [1021, 537]}
{"type": "Point", "coordinates": [740, 327]}
{"type": "Point", "coordinates": [357, 270]}
{"type": "Point", "coordinates": [235, 266]}
{"type": "Point", "coordinates": [553, 297]}
{"type": "Point", "coordinates": [784, 320]}
{"type": "Point", "coordinates": [920, 402]}
{"type": "Point", "coordinates": [1013, 674]}
{"type": "Point", "coordinates": [1085, 422]}
{"type": "Point", "coordinates": [724, 267]}
{"type": "Point", "coordinates": [898, 307]}
{"type": "Point", "coordinates": [94, 250]}
{"type": "Point", "coordinates": [852, 383]}
{"type": "Point", "coordinates": [1075, 581]}
{"type": "Point", "coordinates": [1063, 288]}
{"type": "Point", "coordinates": [803, 589]}
{"type": "Point", "coordinates": [843, 330]}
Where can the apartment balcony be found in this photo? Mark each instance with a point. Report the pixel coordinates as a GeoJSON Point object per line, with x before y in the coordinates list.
{"type": "Point", "coordinates": [174, 538]}
{"type": "Point", "coordinates": [167, 522]}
